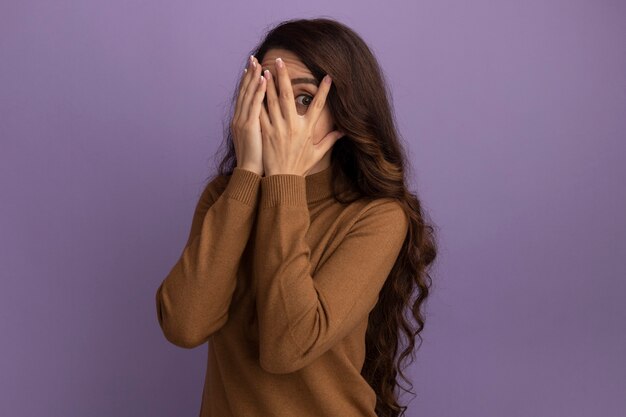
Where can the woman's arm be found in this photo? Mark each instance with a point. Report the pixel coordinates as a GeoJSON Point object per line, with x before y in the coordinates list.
{"type": "Point", "coordinates": [193, 300]}
{"type": "Point", "coordinates": [300, 316]}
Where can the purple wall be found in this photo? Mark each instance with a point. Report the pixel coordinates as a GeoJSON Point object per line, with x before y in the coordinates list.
{"type": "Point", "coordinates": [514, 114]}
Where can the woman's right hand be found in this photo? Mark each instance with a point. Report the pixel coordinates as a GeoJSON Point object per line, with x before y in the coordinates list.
{"type": "Point", "coordinates": [246, 125]}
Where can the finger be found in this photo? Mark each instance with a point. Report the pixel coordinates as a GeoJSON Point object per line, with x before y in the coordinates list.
{"type": "Point", "coordinates": [266, 124]}
{"type": "Point", "coordinates": [317, 105]}
{"type": "Point", "coordinates": [271, 96]}
{"type": "Point", "coordinates": [242, 87]}
{"type": "Point", "coordinates": [285, 92]}
{"type": "Point", "coordinates": [257, 100]}
{"type": "Point", "coordinates": [251, 89]}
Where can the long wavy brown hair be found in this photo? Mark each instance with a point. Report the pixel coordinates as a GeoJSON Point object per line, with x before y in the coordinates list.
{"type": "Point", "coordinates": [372, 161]}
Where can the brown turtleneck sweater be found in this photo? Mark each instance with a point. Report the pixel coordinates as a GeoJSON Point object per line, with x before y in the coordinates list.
{"type": "Point", "coordinates": [280, 278]}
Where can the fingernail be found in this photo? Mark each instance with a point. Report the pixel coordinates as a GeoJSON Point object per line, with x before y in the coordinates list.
{"type": "Point", "coordinates": [327, 79]}
{"type": "Point", "coordinates": [279, 62]}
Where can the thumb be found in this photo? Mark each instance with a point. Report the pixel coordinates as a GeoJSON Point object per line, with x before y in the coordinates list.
{"type": "Point", "coordinates": [328, 141]}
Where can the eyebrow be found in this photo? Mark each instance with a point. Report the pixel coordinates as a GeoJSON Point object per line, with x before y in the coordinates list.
{"type": "Point", "coordinates": [305, 81]}
{"type": "Point", "coordinates": [302, 80]}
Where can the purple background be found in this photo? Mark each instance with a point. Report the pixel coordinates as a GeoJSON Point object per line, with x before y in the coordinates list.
{"type": "Point", "coordinates": [514, 113]}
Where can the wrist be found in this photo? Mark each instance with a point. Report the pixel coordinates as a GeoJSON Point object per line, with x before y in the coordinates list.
{"type": "Point", "coordinates": [252, 168]}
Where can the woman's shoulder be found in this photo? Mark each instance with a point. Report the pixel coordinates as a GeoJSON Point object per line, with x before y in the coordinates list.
{"type": "Point", "coordinates": [383, 209]}
{"type": "Point", "coordinates": [373, 212]}
{"type": "Point", "coordinates": [363, 206]}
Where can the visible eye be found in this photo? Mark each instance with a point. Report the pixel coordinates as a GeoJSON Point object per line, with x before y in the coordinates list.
{"type": "Point", "coordinates": [307, 101]}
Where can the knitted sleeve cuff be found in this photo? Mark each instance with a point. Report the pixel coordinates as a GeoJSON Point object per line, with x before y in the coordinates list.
{"type": "Point", "coordinates": [243, 186]}
{"type": "Point", "coordinates": [283, 189]}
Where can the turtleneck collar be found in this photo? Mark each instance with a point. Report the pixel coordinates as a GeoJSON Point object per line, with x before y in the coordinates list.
{"type": "Point", "coordinates": [319, 185]}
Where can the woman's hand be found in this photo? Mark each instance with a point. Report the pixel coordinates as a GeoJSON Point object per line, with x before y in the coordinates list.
{"type": "Point", "coordinates": [245, 126]}
{"type": "Point", "coordinates": [288, 146]}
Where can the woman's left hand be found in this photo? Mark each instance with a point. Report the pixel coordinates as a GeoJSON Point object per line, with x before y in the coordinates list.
{"type": "Point", "coordinates": [288, 146]}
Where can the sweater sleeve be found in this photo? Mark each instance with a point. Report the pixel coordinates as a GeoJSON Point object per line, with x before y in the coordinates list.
{"type": "Point", "coordinates": [302, 316]}
{"type": "Point", "coordinates": [192, 301]}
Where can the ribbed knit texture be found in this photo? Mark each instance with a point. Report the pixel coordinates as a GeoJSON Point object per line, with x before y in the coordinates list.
{"type": "Point", "coordinates": [279, 279]}
{"type": "Point", "coordinates": [244, 186]}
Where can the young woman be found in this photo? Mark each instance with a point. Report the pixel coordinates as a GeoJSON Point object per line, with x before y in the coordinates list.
{"type": "Point", "coordinates": [306, 248]}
